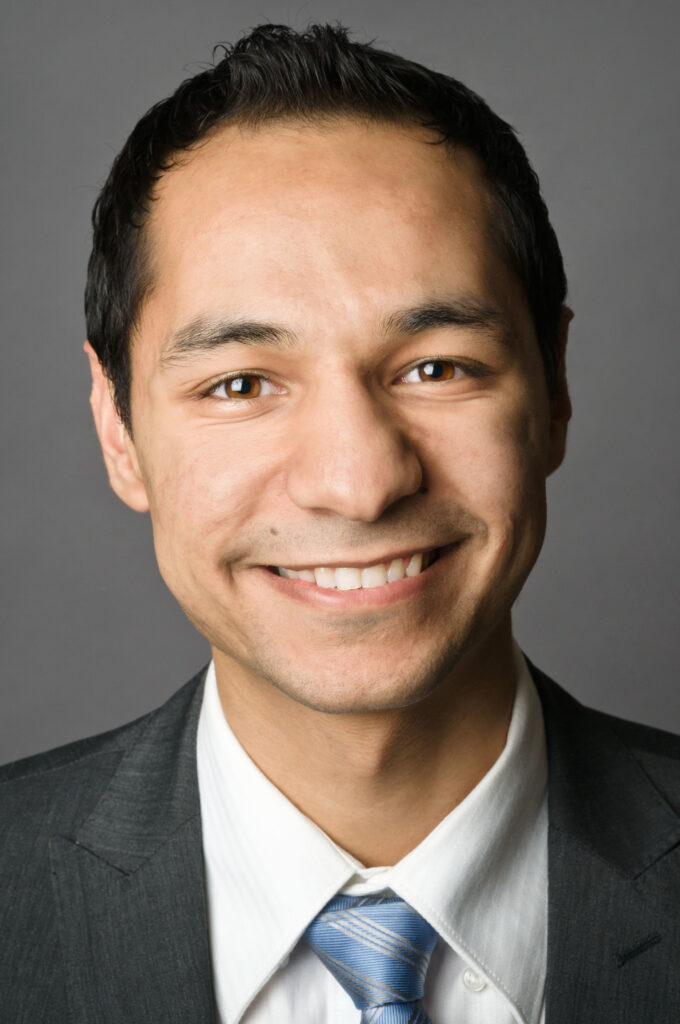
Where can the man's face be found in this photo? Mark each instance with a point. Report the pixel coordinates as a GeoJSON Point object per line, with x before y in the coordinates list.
{"type": "Point", "coordinates": [394, 403]}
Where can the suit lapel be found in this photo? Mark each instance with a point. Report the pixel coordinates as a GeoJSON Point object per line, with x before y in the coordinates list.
{"type": "Point", "coordinates": [129, 886]}
{"type": "Point", "coordinates": [613, 921]}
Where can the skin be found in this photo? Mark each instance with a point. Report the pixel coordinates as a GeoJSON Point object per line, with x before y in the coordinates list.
{"type": "Point", "coordinates": [375, 719]}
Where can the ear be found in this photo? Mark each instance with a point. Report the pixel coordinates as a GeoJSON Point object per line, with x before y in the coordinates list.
{"type": "Point", "coordinates": [117, 447]}
{"type": "Point", "coordinates": [560, 405]}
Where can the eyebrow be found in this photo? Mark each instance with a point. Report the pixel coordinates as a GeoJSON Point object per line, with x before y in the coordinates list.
{"type": "Point", "coordinates": [460, 312]}
{"type": "Point", "coordinates": [203, 334]}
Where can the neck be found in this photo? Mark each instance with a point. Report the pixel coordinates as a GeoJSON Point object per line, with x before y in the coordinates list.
{"type": "Point", "coordinates": [378, 782]}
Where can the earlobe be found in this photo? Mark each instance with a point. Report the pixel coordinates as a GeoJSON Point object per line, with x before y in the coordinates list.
{"type": "Point", "coordinates": [120, 456]}
{"type": "Point", "coordinates": [560, 405]}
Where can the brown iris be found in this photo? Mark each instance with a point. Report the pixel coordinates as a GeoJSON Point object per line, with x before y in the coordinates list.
{"type": "Point", "coordinates": [436, 370]}
{"type": "Point", "coordinates": [245, 386]}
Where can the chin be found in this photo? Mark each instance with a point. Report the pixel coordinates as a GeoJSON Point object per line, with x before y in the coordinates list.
{"type": "Point", "coordinates": [352, 689]}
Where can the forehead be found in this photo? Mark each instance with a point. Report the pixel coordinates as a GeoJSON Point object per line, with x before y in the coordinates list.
{"type": "Point", "coordinates": [333, 153]}
{"type": "Point", "coordinates": [345, 218]}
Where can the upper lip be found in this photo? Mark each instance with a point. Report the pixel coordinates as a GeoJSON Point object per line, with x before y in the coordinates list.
{"type": "Point", "coordinates": [352, 562]}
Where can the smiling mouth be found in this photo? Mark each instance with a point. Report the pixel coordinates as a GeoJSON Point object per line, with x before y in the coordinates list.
{"type": "Point", "coordinates": [367, 577]}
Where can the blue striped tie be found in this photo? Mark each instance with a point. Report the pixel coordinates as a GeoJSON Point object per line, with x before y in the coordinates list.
{"type": "Point", "coordinates": [379, 949]}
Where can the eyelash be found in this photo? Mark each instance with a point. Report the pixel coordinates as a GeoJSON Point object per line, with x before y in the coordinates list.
{"type": "Point", "coordinates": [468, 369]}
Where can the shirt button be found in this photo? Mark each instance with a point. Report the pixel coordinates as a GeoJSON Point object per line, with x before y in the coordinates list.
{"type": "Point", "coordinates": [473, 981]}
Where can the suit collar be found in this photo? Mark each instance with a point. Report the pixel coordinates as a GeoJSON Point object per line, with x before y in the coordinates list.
{"type": "Point", "coordinates": [598, 792]}
{"type": "Point", "coordinates": [613, 922]}
{"type": "Point", "coordinates": [129, 887]}
{"type": "Point", "coordinates": [155, 789]}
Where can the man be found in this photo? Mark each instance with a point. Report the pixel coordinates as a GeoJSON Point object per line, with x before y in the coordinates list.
{"type": "Point", "coordinates": [327, 338]}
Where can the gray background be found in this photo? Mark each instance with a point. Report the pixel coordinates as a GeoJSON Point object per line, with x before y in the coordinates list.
{"type": "Point", "coordinates": [90, 635]}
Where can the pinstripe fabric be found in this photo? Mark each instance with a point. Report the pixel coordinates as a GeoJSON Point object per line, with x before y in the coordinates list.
{"type": "Point", "coordinates": [379, 949]}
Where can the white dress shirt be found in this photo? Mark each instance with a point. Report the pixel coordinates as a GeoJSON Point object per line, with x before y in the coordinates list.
{"type": "Point", "coordinates": [479, 878]}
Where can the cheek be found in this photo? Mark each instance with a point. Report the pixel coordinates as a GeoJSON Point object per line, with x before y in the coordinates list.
{"type": "Point", "coordinates": [202, 493]}
{"type": "Point", "coordinates": [490, 459]}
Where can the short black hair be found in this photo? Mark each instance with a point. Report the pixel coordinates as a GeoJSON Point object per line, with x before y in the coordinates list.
{"type": "Point", "coordinates": [276, 73]}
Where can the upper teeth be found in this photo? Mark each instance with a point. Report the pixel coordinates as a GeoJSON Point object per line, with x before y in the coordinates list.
{"type": "Point", "coordinates": [371, 576]}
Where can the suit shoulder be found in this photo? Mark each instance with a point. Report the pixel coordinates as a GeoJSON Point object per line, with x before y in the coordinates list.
{"type": "Point", "coordinates": [55, 792]}
{"type": "Point", "coordinates": [44, 796]}
{"type": "Point", "coordinates": [69, 755]}
{"type": "Point", "coordinates": [644, 739]}
{"type": "Point", "coordinates": [656, 751]}
{"type": "Point", "coordinates": [104, 745]}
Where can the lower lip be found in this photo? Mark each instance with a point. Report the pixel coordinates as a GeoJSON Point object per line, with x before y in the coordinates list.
{"type": "Point", "coordinates": [372, 597]}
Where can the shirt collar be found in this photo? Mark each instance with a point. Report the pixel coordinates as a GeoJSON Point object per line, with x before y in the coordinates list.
{"type": "Point", "coordinates": [480, 877]}
{"type": "Point", "coordinates": [269, 868]}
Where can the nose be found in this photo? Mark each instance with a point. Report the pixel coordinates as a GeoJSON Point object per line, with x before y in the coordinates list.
{"type": "Point", "coordinates": [352, 457]}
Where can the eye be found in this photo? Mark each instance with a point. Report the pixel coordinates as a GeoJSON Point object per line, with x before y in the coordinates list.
{"type": "Point", "coordinates": [432, 370]}
{"type": "Point", "coordinates": [240, 387]}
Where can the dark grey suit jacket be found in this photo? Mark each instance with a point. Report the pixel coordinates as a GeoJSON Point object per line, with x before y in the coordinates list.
{"type": "Point", "coordinates": [103, 911]}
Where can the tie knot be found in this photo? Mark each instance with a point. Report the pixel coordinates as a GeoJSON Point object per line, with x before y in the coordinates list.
{"type": "Point", "coordinates": [378, 948]}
